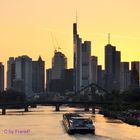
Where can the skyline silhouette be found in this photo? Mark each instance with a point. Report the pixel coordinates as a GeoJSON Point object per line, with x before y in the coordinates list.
{"type": "Point", "coordinates": [74, 62]}
{"type": "Point", "coordinates": [26, 27]}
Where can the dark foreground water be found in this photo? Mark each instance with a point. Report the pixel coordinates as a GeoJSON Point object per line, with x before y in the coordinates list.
{"type": "Point", "coordinates": [44, 123]}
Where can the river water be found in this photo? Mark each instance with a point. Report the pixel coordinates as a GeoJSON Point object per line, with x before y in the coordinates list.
{"type": "Point", "coordinates": [43, 123]}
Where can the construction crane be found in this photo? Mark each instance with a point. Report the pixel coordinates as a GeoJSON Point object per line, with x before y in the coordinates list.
{"type": "Point", "coordinates": [54, 40]}
{"type": "Point", "coordinates": [55, 49]}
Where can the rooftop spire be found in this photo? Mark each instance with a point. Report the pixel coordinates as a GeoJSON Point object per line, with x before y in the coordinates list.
{"type": "Point", "coordinates": [76, 17]}
{"type": "Point", "coordinates": [108, 38]}
{"type": "Point", "coordinates": [75, 25]}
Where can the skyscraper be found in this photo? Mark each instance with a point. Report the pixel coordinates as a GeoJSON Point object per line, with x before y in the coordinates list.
{"type": "Point", "coordinates": [68, 79]}
{"type": "Point", "coordinates": [134, 82]}
{"type": "Point", "coordinates": [59, 64]}
{"type": "Point", "coordinates": [137, 65]}
{"type": "Point", "coordinates": [1, 77]}
{"type": "Point", "coordinates": [124, 76]}
{"type": "Point", "coordinates": [55, 76]}
{"type": "Point", "coordinates": [10, 72]}
{"type": "Point", "coordinates": [104, 79]}
{"type": "Point", "coordinates": [82, 63]}
{"type": "Point", "coordinates": [99, 76]}
{"type": "Point", "coordinates": [48, 78]}
{"type": "Point", "coordinates": [117, 70]}
{"type": "Point", "coordinates": [77, 43]}
{"type": "Point", "coordinates": [38, 76]}
{"type": "Point", "coordinates": [86, 63]}
{"type": "Point", "coordinates": [23, 72]}
{"type": "Point", "coordinates": [112, 67]}
{"type": "Point", "coordinates": [109, 65]}
{"type": "Point", "coordinates": [94, 63]}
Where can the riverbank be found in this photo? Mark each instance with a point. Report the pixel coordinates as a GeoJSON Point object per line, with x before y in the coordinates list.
{"type": "Point", "coordinates": [131, 116]}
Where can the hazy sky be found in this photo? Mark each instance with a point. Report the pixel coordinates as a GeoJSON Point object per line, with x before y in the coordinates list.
{"type": "Point", "coordinates": [32, 27]}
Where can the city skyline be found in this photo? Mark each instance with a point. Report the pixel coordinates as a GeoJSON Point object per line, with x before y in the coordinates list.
{"type": "Point", "coordinates": [30, 31]}
{"type": "Point", "coordinates": [16, 69]}
{"type": "Point", "coordinates": [113, 61]}
{"type": "Point", "coordinates": [70, 69]}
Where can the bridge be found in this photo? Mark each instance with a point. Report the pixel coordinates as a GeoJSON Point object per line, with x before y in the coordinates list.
{"type": "Point", "coordinates": [57, 104]}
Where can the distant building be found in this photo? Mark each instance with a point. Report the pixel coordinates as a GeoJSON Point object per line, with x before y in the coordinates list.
{"type": "Point", "coordinates": [82, 63]}
{"type": "Point", "coordinates": [112, 67]}
{"type": "Point", "coordinates": [86, 63]}
{"type": "Point", "coordinates": [124, 76]}
{"type": "Point", "coordinates": [104, 79]}
{"type": "Point", "coordinates": [77, 43]}
{"type": "Point", "coordinates": [48, 78]}
{"type": "Point", "coordinates": [99, 76]}
{"type": "Point", "coordinates": [1, 77]}
{"type": "Point", "coordinates": [57, 85]}
{"type": "Point", "coordinates": [55, 76]}
{"type": "Point", "coordinates": [117, 70]}
{"type": "Point", "coordinates": [137, 65]}
{"type": "Point", "coordinates": [59, 64]}
{"type": "Point", "coordinates": [109, 66]}
{"type": "Point", "coordinates": [68, 79]}
{"type": "Point", "coordinates": [38, 76]}
{"type": "Point", "coordinates": [10, 72]}
{"type": "Point", "coordinates": [23, 71]}
{"type": "Point", "coordinates": [94, 63]}
{"type": "Point", "coordinates": [134, 77]}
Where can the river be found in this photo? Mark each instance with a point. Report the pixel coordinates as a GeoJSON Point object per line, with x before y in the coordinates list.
{"type": "Point", "coordinates": [43, 123]}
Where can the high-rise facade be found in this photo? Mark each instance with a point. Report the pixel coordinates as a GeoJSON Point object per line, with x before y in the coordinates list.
{"type": "Point", "coordinates": [104, 79]}
{"type": "Point", "coordinates": [99, 76]}
{"type": "Point", "coordinates": [56, 75]}
{"type": "Point", "coordinates": [68, 79]}
{"type": "Point", "coordinates": [1, 77]}
{"type": "Point", "coordinates": [82, 63]}
{"type": "Point", "coordinates": [109, 66]}
{"type": "Point", "coordinates": [77, 43]}
{"type": "Point", "coordinates": [10, 72]}
{"type": "Point", "coordinates": [94, 63]}
{"type": "Point", "coordinates": [86, 63]}
{"type": "Point", "coordinates": [23, 72]}
{"type": "Point", "coordinates": [48, 78]}
{"type": "Point", "coordinates": [137, 65]}
{"type": "Point", "coordinates": [59, 64]}
{"type": "Point", "coordinates": [117, 70]}
{"type": "Point", "coordinates": [112, 67]}
{"type": "Point", "coordinates": [124, 76]}
{"type": "Point", "coordinates": [134, 81]}
{"type": "Point", "coordinates": [38, 76]}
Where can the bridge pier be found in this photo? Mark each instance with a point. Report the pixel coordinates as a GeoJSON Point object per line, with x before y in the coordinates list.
{"type": "Point", "coordinates": [86, 108]}
{"type": "Point", "coordinates": [57, 107]}
{"type": "Point", "coordinates": [93, 110]}
{"type": "Point", "coordinates": [26, 109]}
{"type": "Point", "coordinates": [3, 111]}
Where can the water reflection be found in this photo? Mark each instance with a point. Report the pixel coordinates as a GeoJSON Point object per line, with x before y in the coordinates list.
{"type": "Point", "coordinates": [46, 124]}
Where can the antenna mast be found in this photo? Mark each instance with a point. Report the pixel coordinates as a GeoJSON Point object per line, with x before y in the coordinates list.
{"type": "Point", "coordinates": [76, 16]}
{"type": "Point", "coordinates": [108, 38]}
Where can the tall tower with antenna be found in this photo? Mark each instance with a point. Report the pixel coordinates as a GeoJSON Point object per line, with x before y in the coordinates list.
{"type": "Point", "coordinates": [112, 66]}
{"type": "Point", "coordinates": [77, 45]}
{"type": "Point", "coordinates": [82, 65]}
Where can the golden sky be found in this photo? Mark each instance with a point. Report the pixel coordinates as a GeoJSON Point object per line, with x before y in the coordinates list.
{"type": "Point", "coordinates": [27, 27]}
